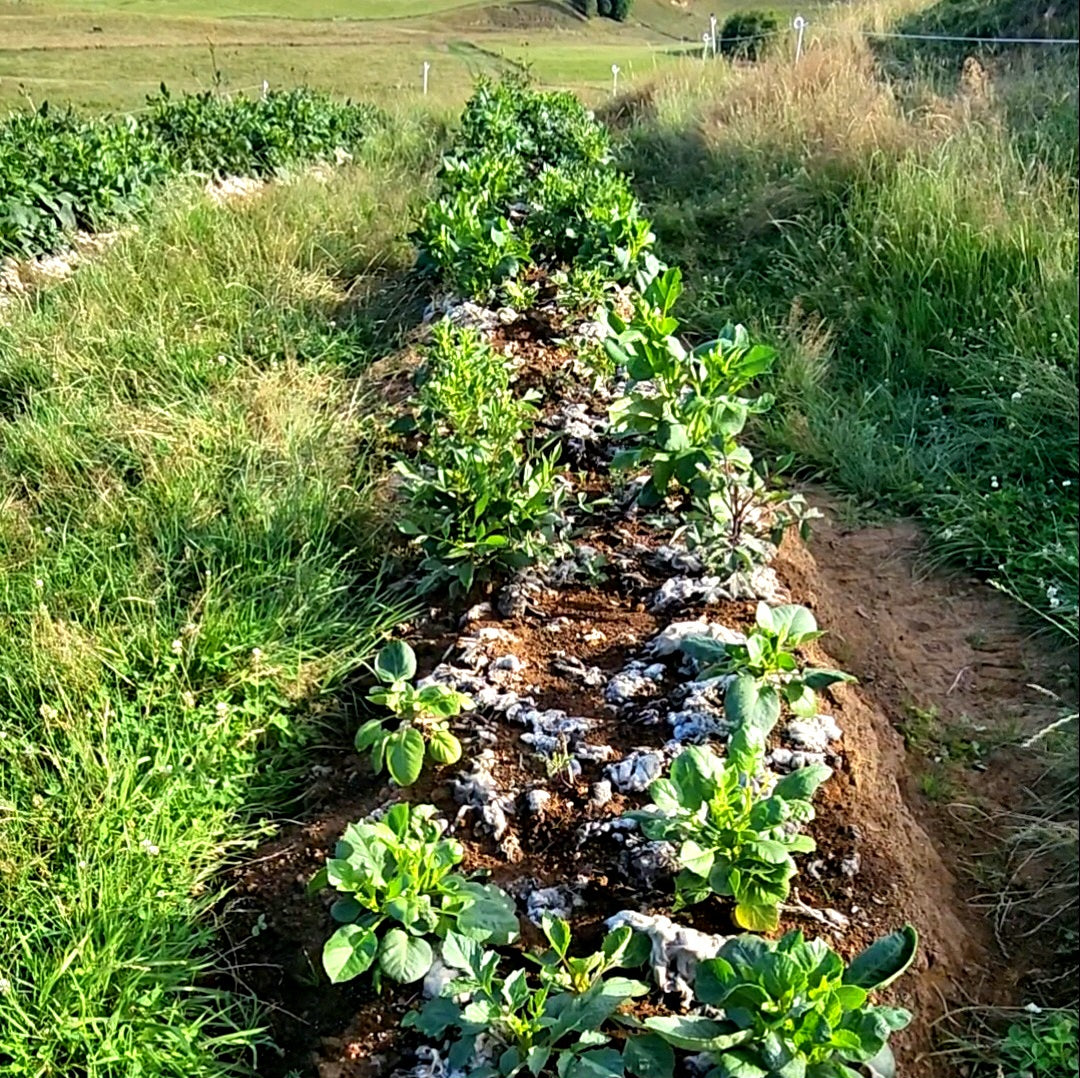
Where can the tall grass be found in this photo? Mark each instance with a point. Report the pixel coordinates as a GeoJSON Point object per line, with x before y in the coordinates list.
{"type": "Point", "coordinates": [189, 563]}
{"type": "Point", "coordinates": [911, 244]}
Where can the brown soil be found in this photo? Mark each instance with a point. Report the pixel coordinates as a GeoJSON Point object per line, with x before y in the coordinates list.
{"type": "Point", "coordinates": [916, 640]}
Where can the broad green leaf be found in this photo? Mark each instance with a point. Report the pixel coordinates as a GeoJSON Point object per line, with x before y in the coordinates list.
{"type": "Point", "coordinates": [696, 1034]}
{"type": "Point", "coordinates": [368, 733]}
{"type": "Point", "coordinates": [884, 960]}
{"type": "Point", "coordinates": [793, 622]}
{"type": "Point", "coordinates": [801, 699]}
{"type": "Point", "coordinates": [349, 952]}
{"type": "Point", "coordinates": [694, 774]}
{"type": "Point", "coordinates": [748, 702]}
{"type": "Point", "coordinates": [801, 785]}
{"type": "Point", "coordinates": [444, 747]}
{"type": "Point", "coordinates": [395, 662]}
{"type": "Point", "coordinates": [558, 934]}
{"type": "Point", "coordinates": [405, 755]}
{"type": "Point", "coordinates": [491, 914]}
{"type": "Point", "coordinates": [346, 910]}
{"type": "Point", "coordinates": [598, 1063]}
{"type": "Point", "coordinates": [818, 678]}
{"type": "Point", "coordinates": [404, 958]}
{"type": "Point", "coordinates": [757, 917]}
{"type": "Point", "coordinates": [648, 1055]}
{"type": "Point", "coordinates": [434, 1018]}
{"type": "Point", "coordinates": [695, 858]}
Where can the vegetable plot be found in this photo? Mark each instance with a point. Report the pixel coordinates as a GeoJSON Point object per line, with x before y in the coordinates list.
{"type": "Point", "coordinates": [60, 172]}
{"type": "Point", "coordinates": [555, 462]}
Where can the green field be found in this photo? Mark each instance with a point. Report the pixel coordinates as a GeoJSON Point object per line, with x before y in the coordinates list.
{"type": "Point", "coordinates": [106, 55]}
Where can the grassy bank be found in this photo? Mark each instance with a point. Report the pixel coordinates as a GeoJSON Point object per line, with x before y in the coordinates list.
{"type": "Point", "coordinates": [189, 551]}
{"type": "Point", "coordinates": [910, 243]}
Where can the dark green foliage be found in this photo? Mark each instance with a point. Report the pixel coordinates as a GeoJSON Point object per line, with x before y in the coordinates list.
{"type": "Point", "coordinates": [744, 34]}
{"type": "Point", "coordinates": [529, 184]}
{"type": "Point", "coordinates": [60, 172]}
{"type": "Point", "coordinates": [240, 136]}
{"type": "Point", "coordinates": [588, 8]}
{"type": "Point", "coordinates": [620, 9]}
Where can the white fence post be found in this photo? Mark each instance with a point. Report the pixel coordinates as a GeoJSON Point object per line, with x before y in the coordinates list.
{"type": "Point", "coordinates": [706, 42]}
{"type": "Point", "coordinates": [614, 79]}
{"type": "Point", "coordinates": [712, 32]}
{"type": "Point", "coordinates": [265, 88]}
{"type": "Point", "coordinates": [427, 68]}
{"type": "Point", "coordinates": [800, 26]}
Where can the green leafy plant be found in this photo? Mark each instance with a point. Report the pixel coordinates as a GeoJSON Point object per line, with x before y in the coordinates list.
{"type": "Point", "coordinates": [1042, 1046]}
{"type": "Point", "coordinates": [422, 713]}
{"type": "Point", "coordinates": [398, 890]}
{"type": "Point", "coordinates": [734, 839]}
{"type": "Point", "coordinates": [60, 172]}
{"type": "Point", "coordinates": [550, 1024]}
{"type": "Point", "coordinates": [683, 407]}
{"type": "Point", "coordinates": [791, 1010]}
{"type": "Point", "coordinates": [479, 509]}
{"type": "Point", "coordinates": [766, 670]}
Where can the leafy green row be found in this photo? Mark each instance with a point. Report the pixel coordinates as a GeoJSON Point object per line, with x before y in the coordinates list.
{"type": "Point", "coordinates": [775, 1009]}
{"type": "Point", "coordinates": [783, 1009]}
{"type": "Point", "coordinates": [60, 171]}
{"type": "Point", "coordinates": [529, 187]}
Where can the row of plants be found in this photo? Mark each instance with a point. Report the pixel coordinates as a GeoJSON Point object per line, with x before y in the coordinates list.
{"type": "Point", "coordinates": [60, 172]}
{"type": "Point", "coordinates": [529, 199]}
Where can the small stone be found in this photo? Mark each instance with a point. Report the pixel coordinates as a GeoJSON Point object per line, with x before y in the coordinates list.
{"type": "Point", "coordinates": [636, 771]}
{"type": "Point", "coordinates": [600, 793]}
{"type": "Point", "coordinates": [537, 800]}
{"type": "Point", "coordinates": [509, 662]}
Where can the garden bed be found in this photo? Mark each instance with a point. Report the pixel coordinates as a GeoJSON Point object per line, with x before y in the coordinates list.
{"type": "Point", "coordinates": [585, 658]}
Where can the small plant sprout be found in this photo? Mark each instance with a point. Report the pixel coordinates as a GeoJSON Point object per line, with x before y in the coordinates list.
{"type": "Point", "coordinates": [551, 1024]}
{"type": "Point", "coordinates": [422, 714]}
{"type": "Point", "coordinates": [733, 838]}
{"type": "Point", "coordinates": [765, 670]}
{"type": "Point", "coordinates": [398, 890]}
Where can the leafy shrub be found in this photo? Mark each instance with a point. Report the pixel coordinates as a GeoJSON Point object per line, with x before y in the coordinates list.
{"type": "Point", "coordinates": [620, 9]}
{"type": "Point", "coordinates": [529, 183]}
{"type": "Point", "coordinates": [480, 506]}
{"type": "Point", "coordinates": [554, 1021]}
{"type": "Point", "coordinates": [254, 137]}
{"type": "Point", "coordinates": [734, 840]}
{"type": "Point", "coordinates": [744, 34]}
{"type": "Point", "coordinates": [765, 669]}
{"type": "Point", "coordinates": [478, 496]}
{"type": "Point", "coordinates": [588, 8]}
{"type": "Point", "coordinates": [397, 872]}
{"type": "Point", "coordinates": [422, 729]}
{"type": "Point", "coordinates": [59, 173]}
{"type": "Point", "coordinates": [791, 1008]}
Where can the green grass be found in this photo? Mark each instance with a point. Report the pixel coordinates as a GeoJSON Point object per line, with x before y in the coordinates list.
{"type": "Point", "coordinates": [52, 51]}
{"type": "Point", "coordinates": [915, 257]}
{"type": "Point", "coordinates": [190, 539]}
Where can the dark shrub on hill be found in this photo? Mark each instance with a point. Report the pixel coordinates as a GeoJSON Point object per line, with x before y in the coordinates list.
{"type": "Point", "coordinates": [744, 34]}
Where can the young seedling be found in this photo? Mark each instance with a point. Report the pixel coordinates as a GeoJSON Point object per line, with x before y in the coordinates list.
{"type": "Point", "coordinates": [766, 669]}
{"type": "Point", "coordinates": [422, 714]}
{"type": "Point", "coordinates": [398, 890]}
{"type": "Point", "coordinates": [733, 839]}
{"type": "Point", "coordinates": [555, 1026]}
